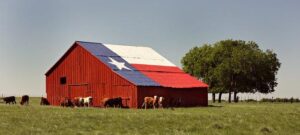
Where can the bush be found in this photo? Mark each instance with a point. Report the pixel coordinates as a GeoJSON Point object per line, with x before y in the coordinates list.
{"type": "Point", "coordinates": [250, 100]}
{"type": "Point", "coordinates": [281, 100]}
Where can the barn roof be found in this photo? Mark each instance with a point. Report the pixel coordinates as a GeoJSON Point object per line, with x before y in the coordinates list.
{"type": "Point", "coordinates": [141, 65]}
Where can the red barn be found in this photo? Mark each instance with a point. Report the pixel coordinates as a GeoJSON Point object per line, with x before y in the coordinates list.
{"type": "Point", "coordinates": [131, 72]}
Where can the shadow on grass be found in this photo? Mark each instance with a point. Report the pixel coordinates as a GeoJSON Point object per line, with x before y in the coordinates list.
{"type": "Point", "coordinates": [218, 106]}
{"type": "Point", "coordinates": [210, 106]}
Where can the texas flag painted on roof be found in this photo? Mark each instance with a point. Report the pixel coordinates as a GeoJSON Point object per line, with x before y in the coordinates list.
{"type": "Point", "coordinates": [141, 65]}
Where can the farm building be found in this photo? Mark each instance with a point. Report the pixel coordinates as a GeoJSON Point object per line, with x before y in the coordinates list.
{"type": "Point", "coordinates": [131, 72]}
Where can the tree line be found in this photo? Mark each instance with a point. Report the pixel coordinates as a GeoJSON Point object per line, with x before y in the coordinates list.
{"type": "Point", "coordinates": [233, 66]}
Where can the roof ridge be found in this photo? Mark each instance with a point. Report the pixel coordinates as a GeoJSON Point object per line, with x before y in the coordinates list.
{"type": "Point", "coordinates": [109, 44]}
{"type": "Point", "coordinates": [89, 42]}
{"type": "Point", "coordinates": [143, 46]}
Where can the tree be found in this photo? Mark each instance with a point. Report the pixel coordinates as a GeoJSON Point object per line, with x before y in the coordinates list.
{"type": "Point", "coordinates": [233, 66]}
{"type": "Point", "coordinates": [197, 63]}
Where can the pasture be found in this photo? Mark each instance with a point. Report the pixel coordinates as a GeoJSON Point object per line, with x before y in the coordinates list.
{"type": "Point", "coordinates": [231, 119]}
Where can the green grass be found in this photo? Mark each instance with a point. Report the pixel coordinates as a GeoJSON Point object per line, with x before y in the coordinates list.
{"type": "Point", "coordinates": [231, 119]}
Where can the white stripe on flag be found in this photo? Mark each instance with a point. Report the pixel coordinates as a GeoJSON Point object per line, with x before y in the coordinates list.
{"type": "Point", "coordinates": [139, 55]}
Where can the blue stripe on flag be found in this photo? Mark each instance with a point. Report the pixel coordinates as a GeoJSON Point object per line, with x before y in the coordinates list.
{"type": "Point", "coordinates": [113, 60]}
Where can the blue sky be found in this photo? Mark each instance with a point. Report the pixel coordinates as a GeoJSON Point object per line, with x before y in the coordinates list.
{"type": "Point", "coordinates": [34, 34]}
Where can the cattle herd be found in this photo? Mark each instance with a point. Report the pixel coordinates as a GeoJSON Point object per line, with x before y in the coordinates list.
{"type": "Point", "coordinates": [153, 102]}
{"type": "Point", "coordinates": [88, 101]}
{"type": "Point", "coordinates": [149, 102]}
{"type": "Point", "coordinates": [24, 100]}
{"type": "Point", "coordinates": [76, 102]}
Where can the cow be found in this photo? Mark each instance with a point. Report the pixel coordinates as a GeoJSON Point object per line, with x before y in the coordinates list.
{"type": "Point", "coordinates": [66, 102]}
{"type": "Point", "coordinates": [44, 101]}
{"type": "Point", "coordinates": [24, 100]}
{"type": "Point", "coordinates": [88, 101]}
{"type": "Point", "coordinates": [175, 102]}
{"type": "Point", "coordinates": [149, 101]}
{"type": "Point", "coordinates": [8, 100]}
{"type": "Point", "coordinates": [78, 101]}
{"type": "Point", "coordinates": [112, 102]}
{"type": "Point", "coordinates": [160, 102]}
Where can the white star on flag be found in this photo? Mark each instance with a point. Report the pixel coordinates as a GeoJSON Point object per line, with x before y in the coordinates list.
{"type": "Point", "coordinates": [119, 65]}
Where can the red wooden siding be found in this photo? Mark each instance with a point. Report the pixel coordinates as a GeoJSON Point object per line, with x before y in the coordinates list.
{"type": "Point", "coordinates": [86, 76]}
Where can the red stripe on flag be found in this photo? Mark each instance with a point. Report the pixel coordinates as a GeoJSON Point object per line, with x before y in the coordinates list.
{"type": "Point", "coordinates": [168, 76]}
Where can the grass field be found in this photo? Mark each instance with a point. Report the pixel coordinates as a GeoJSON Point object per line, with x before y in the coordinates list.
{"type": "Point", "coordinates": [231, 119]}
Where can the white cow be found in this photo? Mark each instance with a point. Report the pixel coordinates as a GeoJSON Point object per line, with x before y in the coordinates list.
{"type": "Point", "coordinates": [88, 101]}
{"type": "Point", "coordinates": [160, 102]}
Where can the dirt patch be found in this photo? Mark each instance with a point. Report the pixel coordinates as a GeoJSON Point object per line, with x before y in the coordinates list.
{"type": "Point", "coordinates": [217, 126]}
{"type": "Point", "coordinates": [265, 130]}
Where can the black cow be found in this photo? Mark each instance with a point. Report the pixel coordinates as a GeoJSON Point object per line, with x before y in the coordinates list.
{"type": "Point", "coordinates": [11, 99]}
{"type": "Point", "coordinates": [112, 102]}
{"type": "Point", "coordinates": [175, 102]}
{"type": "Point", "coordinates": [44, 101]}
{"type": "Point", "coordinates": [24, 100]}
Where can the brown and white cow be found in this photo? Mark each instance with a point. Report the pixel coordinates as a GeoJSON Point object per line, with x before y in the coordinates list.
{"type": "Point", "coordinates": [66, 102]}
{"type": "Point", "coordinates": [78, 102]}
{"type": "Point", "coordinates": [150, 101]}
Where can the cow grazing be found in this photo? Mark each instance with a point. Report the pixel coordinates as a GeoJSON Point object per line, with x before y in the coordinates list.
{"type": "Point", "coordinates": [44, 101]}
{"type": "Point", "coordinates": [24, 100]}
{"type": "Point", "coordinates": [150, 101]}
{"type": "Point", "coordinates": [112, 102]}
{"type": "Point", "coordinates": [8, 100]}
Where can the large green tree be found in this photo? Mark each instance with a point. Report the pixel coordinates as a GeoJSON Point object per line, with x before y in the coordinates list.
{"type": "Point", "coordinates": [233, 66]}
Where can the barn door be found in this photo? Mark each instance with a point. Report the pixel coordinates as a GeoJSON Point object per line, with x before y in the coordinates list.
{"type": "Point", "coordinates": [123, 91]}
{"type": "Point", "coordinates": [79, 91]}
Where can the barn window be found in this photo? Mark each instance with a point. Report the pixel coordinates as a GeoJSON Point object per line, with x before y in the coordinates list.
{"type": "Point", "coordinates": [63, 80]}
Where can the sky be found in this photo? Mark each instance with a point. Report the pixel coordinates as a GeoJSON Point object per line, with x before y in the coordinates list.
{"type": "Point", "coordinates": [34, 34]}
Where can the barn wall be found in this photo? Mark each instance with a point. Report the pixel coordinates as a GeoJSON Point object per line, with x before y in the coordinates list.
{"type": "Point", "coordinates": [176, 97]}
{"type": "Point", "coordinates": [87, 76]}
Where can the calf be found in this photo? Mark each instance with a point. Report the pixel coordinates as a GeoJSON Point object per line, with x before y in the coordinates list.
{"type": "Point", "coordinates": [24, 100]}
{"type": "Point", "coordinates": [8, 100]}
{"type": "Point", "coordinates": [44, 101]}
